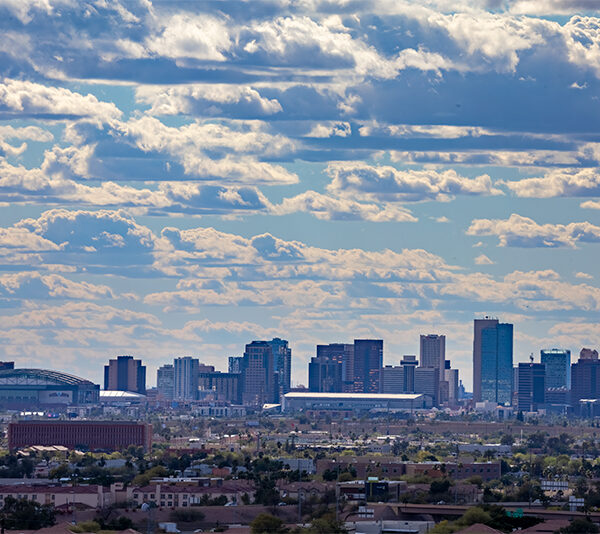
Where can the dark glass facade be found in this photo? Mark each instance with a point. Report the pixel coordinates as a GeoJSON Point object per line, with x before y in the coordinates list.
{"type": "Point", "coordinates": [497, 363]}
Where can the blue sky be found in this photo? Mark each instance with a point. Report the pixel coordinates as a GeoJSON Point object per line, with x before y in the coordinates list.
{"type": "Point", "coordinates": [179, 178]}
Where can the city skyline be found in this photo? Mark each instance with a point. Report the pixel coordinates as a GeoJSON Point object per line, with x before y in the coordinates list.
{"type": "Point", "coordinates": [178, 178]}
{"type": "Point", "coordinates": [346, 379]}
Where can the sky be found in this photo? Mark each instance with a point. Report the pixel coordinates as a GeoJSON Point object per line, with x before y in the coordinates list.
{"type": "Point", "coordinates": [180, 178]}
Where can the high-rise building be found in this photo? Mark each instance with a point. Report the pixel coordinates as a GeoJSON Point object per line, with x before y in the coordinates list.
{"type": "Point", "coordinates": [492, 361]}
{"type": "Point", "coordinates": [165, 381]}
{"type": "Point", "coordinates": [223, 386]}
{"type": "Point", "coordinates": [409, 364]}
{"type": "Point", "coordinates": [282, 366]}
{"type": "Point", "coordinates": [558, 367]}
{"type": "Point", "coordinates": [258, 376]}
{"type": "Point", "coordinates": [451, 376]}
{"type": "Point", "coordinates": [125, 374]}
{"type": "Point", "coordinates": [531, 393]}
{"type": "Point", "coordinates": [588, 354]}
{"type": "Point", "coordinates": [330, 370]}
{"type": "Point", "coordinates": [185, 387]}
{"type": "Point", "coordinates": [235, 364]}
{"type": "Point", "coordinates": [392, 378]}
{"type": "Point", "coordinates": [5, 366]}
{"type": "Point", "coordinates": [585, 377]}
{"type": "Point", "coordinates": [427, 381]}
{"type": "Point", "coordinates": [433, 351]}
{"type": "Point", "coordinates": [368, 362]}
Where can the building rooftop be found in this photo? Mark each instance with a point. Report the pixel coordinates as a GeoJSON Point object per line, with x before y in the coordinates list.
{"type": "Point", "coordinates": [355, 396]}
{"type": "Point", "coordinates": [108, 394]}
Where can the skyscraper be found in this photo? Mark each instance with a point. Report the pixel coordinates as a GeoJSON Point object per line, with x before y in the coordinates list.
{"type": "Point", "coordinates": [125, 374]}
{"type": "Point", "coordinates": [235, 364]}
{"type": "Point", "coordinates": [492, 361]}
{"type": "Point", "coordinates": [258, 377]}
{"type": "Point", "coordinates": [558, 367]}
{"type": "Point", "coordinates": [165, 380]}
{"type": "Point", "coordinates": [185, 387]}
{"type": "Point", "coordinates": [451, 376]}
{"type": "Point", "coordinates": [331, 370]}
{"type": "Point", "coordinates": [368, 362]}
{"type": "Point", "coordinates": [427, 381]}
{"type": "Point", "coordinates": [409, 364]}
{"type": "Point", "coordinates": [531, 393]}
{"type": "Point", "coordinates": [585, 377]}
{"type": "Point", "coordinates": [282, 366]}
{"type": "Point", "coordinates": [433, 351]}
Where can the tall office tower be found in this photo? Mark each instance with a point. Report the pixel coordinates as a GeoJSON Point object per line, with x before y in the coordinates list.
{"type": "Point", "coordinates": [165, 381]}
{"type": "Point", "coordinates": [368, 362]}
{"type": "Point", "coordinates": [585, 378]}
{"type": "Point", "coordinates": [282, 367]}
{"type": "Point", "coordinates": [258, 377]}
{"type": "Point", "coordinates": [330, 370]}
{"type": "Point", "coordinates": [392, 379]}
{"type": "Point", "coordinates": [588, 354]}
{"type": "Point", "coordinates": [451, 376]}
{"type": "Point", "coordinates": [324, 375]}
{"type": "Point", "coordinates": [223, 386]}
{"type": "Point", "coordinates": [433, 351]}
{"type": "Point", "coordinates": [185, 387]}
{"type": "Point", "coordinates": [125, 374]}
{"type": "Point", "coordinates": [492, 361]}
{"type": "Point", "coordinates": [235, 364]}
{"type": "Point", "coordinates": [427, 381]}
{"type": "Point", "coordinates": [409, 364]}
{"type": "Point", "coordinates": [6, 366]}
{"type": "Point", "coordinates": [531, 394]}
{"type": "Point", "coordinates": [558, 367]}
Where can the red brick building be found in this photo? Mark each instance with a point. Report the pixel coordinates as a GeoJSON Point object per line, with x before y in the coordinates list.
{"type": "Point", "coordinates": [95, 435]}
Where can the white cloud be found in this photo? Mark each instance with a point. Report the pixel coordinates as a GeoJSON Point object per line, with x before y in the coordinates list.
{"type": "Point", "coordinates": [331, 208]}
{"type": "Point", "coordinates": [23, 98]}
{"type": "Point", "coordinates": [559, 183]}
{"type": "Point", "coordinates": [33, 285]}
{"type": "Point", "coordinates": [233, 151]}
{"type": "Point", "coordinates": [482, 259]}
{"type": "Point", "coordinates": [584, 276]}
{"type": "Point", "coordinates": [206, 99]}
{"type": "Point", "coordinates": [386, 183]}
{"type": "Point", "coordinates": [200, 37]}
{"type": "Point", "coordinates": [518, 231]}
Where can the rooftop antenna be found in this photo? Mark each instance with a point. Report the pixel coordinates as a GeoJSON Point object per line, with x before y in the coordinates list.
{"type": "Point", "coordinates": [531, 357]}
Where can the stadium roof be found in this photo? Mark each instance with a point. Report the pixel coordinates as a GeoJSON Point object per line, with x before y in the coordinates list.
{"type": "Point", "coordinates": [55, 377]}
{"type": "Point", "coordinates": [350, 396]}
{"type": "Point", "coordinates": [108, 394]}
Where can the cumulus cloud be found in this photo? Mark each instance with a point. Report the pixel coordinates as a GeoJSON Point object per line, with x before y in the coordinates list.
{"type": "Point", "coordinates": [386, 183]}
{"type": "Point", "coordinates": [482, 259]}
{"type": "Point", "coordinates": [49, 185]}
{"type": "Point", "coordinates": [214, 151]}
{"type": "Point", "coordinates": [27, 99]}
{"type": "Point", "coordinates": [207, 99]}
{"type": "Point", "coordinates": [184, 36]}
{"type": "Point", "coordinates": [518, 231]}
{"type": "Point", "coordinates": [559, 183]}
{"type": "Point", "coordinates": [330, 208]}
{"type": "Point", "coordinates": [33, 285]}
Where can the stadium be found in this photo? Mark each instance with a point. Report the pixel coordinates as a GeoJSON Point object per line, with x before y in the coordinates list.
{"type": "Point", "coordinates": [41, 388]}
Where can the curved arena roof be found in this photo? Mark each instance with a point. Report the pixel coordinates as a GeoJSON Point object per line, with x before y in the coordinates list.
{"type": "Point", "coordinates": [40, 376]}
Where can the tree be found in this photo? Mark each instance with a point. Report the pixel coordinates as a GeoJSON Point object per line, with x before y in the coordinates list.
{"type": "Point", "coordinates": [327, 524]}
{"type": "Point", "coordinates": [580, 526]}
{"type": "Point", "coordinates": [267, 524]}
{"type": "Point", "coordinates": [27, 515]}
